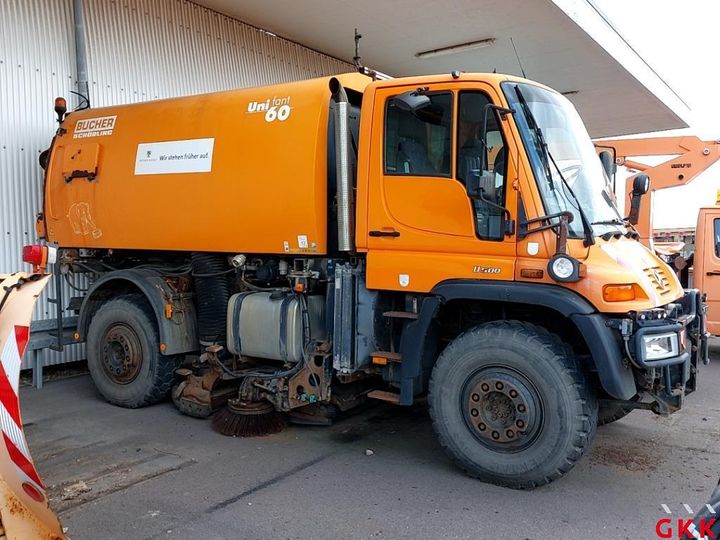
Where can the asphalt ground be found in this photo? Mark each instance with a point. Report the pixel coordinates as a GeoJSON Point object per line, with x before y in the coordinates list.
{"type": "Point", "coordinates": [153, 473]}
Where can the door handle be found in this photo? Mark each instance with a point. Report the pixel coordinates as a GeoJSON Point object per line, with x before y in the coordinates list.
{"type": "Point", "coordinates": [393, 234]}
{"type": "Point", "coordinates": [712, 273]}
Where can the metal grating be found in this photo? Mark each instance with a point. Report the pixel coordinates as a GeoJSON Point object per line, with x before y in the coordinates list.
{"type": "Point", "coordinates": [137, 50]}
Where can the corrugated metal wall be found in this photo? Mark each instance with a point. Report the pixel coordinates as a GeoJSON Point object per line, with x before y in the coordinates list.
{"type": "Point", "coordinates": [137, 50]}
{"type": "Point", "coordinates": [149, 49]}
{"type": "Point", "coordinates": [36, 65]}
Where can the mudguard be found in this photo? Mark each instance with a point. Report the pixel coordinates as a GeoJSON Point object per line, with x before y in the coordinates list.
{"type": "Point", "coordinates": [615, 377]}
{"type": "Point", "coordinates": [178, 333]}
{"type": "Point", "coordinates": [25, 511]}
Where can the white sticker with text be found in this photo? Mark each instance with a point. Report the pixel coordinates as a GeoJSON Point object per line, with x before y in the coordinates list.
{"type": "Point", "coordinates": [174, 157]}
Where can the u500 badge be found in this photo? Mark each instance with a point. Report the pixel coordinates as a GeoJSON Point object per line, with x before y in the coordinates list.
{"type": "Point", "coordinates": [485, 270]}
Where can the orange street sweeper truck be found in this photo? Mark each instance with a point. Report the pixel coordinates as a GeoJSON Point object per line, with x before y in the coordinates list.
{"type": "Point", "coordinates": [289, 252]}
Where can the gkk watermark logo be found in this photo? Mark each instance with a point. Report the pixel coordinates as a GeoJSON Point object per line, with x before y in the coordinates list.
{"type": "Point", "coordinates": [275, 108]}
{"type": "Point", "coordinates": [686, 528]}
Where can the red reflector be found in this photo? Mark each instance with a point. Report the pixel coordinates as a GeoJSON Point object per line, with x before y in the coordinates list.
{"type": "Point", "coordinates": [33, 255]}
{"type": "Point", "coordinates": [33, 492]}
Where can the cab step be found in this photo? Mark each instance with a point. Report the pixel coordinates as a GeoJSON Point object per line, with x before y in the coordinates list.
{"type": "Point", "coordinates": [383, 395]}
{"type": "Point", "coordinates": [400, 314]}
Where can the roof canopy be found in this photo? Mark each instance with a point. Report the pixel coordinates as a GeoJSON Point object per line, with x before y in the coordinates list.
{"type": "Point", "coordinates": [568, 45]}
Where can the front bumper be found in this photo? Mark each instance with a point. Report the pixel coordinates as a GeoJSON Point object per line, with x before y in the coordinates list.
{"type": "Point", "coordinates": [666, 378]}
{"type": "Point", "coordinates": [671, 378]}
{"type": "Point", "coordinates": [685, 319]}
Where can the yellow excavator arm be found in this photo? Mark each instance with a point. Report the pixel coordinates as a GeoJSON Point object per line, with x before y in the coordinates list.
{"type": "Point", "coordinates": [25, 512]}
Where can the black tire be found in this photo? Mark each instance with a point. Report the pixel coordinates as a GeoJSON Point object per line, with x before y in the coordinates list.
{"type": "Point", "coordinates": [123, 351]}
{"type": "Point", "coordinates": [533, 378]}
{"type": "Point", "coordinates": [609, 412]}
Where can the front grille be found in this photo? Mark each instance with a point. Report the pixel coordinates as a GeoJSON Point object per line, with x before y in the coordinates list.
{"type": "Point", "coordinates": [659, 278]}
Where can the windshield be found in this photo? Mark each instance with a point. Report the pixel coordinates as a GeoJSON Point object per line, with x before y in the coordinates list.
{"type": "Point", "coordinates": [568, 172]}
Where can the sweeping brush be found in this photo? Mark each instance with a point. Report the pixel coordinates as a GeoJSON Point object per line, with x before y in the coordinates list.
{"type": "Point", "coordinates": [248, 419]}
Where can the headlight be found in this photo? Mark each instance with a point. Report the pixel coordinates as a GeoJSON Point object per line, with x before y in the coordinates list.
{"type": "Point", "coordinates": [659, 346]}
{"type": "Point", "coordinates": [564, 268]}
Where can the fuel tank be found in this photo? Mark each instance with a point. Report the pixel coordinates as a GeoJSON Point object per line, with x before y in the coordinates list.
{"type": "Point", "coordinates": [274, 326]}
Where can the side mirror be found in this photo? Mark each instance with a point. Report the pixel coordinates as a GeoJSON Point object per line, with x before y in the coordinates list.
{"type": "Point", "coordinates": [477, 185]}
{"type": "Point", "coordinates": [641, 185]}
{"type": "Point", "coordinates": [411, 101]}
{"type": "Point", "coordinates": [608, 163]}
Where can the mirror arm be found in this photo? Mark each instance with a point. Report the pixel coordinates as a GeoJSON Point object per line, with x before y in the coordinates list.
{"type": "Point", "coordinates": [509, 223]}
{"type": "Point", "coordinates": [504, 111]}
{"type": "Point", "coordinates": [561, 244]}
{"type": "Point", "coordinates": [634, 215]}
{"type": "Point", "coordinates": [481, 197]}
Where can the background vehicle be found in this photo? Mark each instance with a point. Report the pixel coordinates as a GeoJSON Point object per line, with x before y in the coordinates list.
{"type": "Point", "coordinates": [300, 248]}
{"type": "Point", "coordinates": [706, 263]}
{"type": "Point", "coordinates": [692, 157]}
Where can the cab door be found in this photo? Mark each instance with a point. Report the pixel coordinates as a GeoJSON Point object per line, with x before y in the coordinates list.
{"type": "Point", "coordinates": [422, 226]}
{"type": "Point", "coordinates": [707, 265]}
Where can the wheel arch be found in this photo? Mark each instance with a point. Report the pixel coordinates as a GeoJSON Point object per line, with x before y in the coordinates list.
{"type": "Point", "coordinates": [178, 333]}
{"type": "Point", "coordinates": [616, 379]}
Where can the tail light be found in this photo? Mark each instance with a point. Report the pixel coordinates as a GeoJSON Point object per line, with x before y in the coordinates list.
{"type": "Point", "coordinates": [39, 256]}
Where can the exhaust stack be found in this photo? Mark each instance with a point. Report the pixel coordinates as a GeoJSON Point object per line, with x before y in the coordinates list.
{"type": "Point", "coordinates": [345, 199]}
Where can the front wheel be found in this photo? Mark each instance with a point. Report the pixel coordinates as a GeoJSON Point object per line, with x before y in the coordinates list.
{"type": "Point", "coordinates": [511, 406]}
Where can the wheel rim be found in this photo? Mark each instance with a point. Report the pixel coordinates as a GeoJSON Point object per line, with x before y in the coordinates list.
{"type": "Point", "coordinates": [502, 408]}
{"type": "Point", "coordinates": [121, 354]}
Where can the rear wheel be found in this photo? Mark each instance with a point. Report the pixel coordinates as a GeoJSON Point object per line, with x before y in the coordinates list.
{"type": "Point", "coordinates": [511, 406]}
{"type": "Point", "coordinates": [123, 350]}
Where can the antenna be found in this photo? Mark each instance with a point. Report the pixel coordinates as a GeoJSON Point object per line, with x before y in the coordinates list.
{"type": "Point", "coordinates": [357, 59]}
{"type": "Point", "coordinates": [518, 58]}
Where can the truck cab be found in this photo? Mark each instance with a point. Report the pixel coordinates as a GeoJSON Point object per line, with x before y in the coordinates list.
{"type": "Point", "coordinates": [297, 249]}
{"type": "Point", "coordinates": [706, 274]}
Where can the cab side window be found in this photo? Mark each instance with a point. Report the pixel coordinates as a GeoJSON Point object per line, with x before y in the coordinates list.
{"type": "Point", "coordinates": [482, 155]}
{"type": "Point", "coordinates": [716, 232]}
{"type": "Point", "coordinates": [419, 143]}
